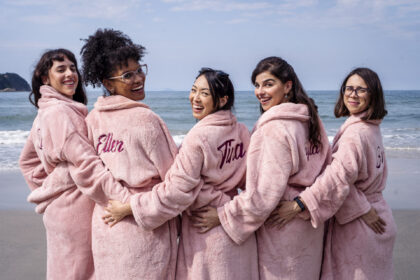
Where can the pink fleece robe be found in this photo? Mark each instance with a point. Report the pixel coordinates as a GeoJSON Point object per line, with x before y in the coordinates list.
{"type": "Point", "coordinates": [136, 146]}
{"type": "Point", "coordinates": [209, 167]}
{"type": "Point", "coordinates": [59, 164]}
{"type": "Point", "coordinates": [357, 177]}
{"type": "Point", "coordinates": [281, 163]}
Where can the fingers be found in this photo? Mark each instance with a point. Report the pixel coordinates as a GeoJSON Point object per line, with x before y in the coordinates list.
{"type": "Point", "coordinates": [196, 214]}
{"type": "Point", "coordinates": [113, 223]}
{"type": "Point", "coordinates": [204, 229]}
{"type": "Point", "coordinates": [274, 220]}
{"type": "Point", "coordinates": [381, 221]}
{"type": "Point", "coordinates": [106, 216]}
{"type": "Point", "coordinates": [380, 227]}
{"type": "Point", "coordinates": [377, 227]}
{"type": "Point", "coordinates": [197, 219]}
{"type": "Point", "coordinates": [281, 224]}
{"type": "Point", "coordinates": [202, 209]}
{"type": "Point", "coordinates": [108, 220]}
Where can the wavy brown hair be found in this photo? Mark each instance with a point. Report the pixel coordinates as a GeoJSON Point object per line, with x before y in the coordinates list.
{"type": "Point", "coordinates": [279, 68]}
{"type": "Point", "coordinates": [41, 70]}
{"type": "Point", "coordinates": [376, 108]}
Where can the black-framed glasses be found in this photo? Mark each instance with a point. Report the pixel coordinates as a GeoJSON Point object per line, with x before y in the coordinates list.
{"type": "Point", "coordinates": [128, 77]}
{"type": "Point", "coordinates": [348, 90]}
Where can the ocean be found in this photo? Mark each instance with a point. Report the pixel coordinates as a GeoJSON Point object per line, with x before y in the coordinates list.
{"type": "Point", "coordinates": [400, 128]}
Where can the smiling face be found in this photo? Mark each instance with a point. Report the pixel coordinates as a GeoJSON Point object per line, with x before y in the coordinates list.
{"type": "Point", "coordinates": [133, 88]}
{"type": "Point", "coordinates": [356, 103]}
{"type": "Point", "coordinates": [201, 99]}
{"type": "Point", "coordinates": [63, 77]}
{"type": "Point", "coordinates": [270, 91]}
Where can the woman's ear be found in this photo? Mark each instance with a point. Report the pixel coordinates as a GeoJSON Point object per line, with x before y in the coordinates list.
{"type": "Point", "coordinates": [288, 86]}
{"type": "Point", "coordinates": [223, 100]}
{"type": "Point", "coordinates": [108, 85]}
{"type": "Point", "coordinates": [45, 80]}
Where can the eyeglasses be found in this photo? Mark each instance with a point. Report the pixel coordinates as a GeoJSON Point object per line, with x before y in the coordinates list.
{"type": "Point", "coordinates": [128, 77]}
{"type": "Point", "coordinates": [348, 90]}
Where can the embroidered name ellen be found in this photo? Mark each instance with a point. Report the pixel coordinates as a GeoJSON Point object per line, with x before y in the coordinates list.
{"type": "Point", "coordinates": [106, 144]}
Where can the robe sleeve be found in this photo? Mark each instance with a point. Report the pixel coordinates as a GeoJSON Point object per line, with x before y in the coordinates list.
{"type": "Point", "coordinates": [86, 168]}
{"type": "Point", "coordinates": [31, 166]}
{"type": "Point", "coordinates": [178, 191]}
{"type": "Point", "coordinates": [335, 186]}
{"type": "Point", "coordinates": [269, 166]}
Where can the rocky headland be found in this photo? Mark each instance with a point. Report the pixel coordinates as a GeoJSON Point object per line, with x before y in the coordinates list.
{"type": "Point", "coordinates": [13, 82]}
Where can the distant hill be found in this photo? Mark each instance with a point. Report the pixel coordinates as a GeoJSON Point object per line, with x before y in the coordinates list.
{"type": "Point", "coordinates": [13, 82]}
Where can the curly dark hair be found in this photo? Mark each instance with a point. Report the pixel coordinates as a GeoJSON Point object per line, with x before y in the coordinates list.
{"type": "Point", "coordinates": [104, 52]}
{"type": "Point", "coordinates": [279, 68]}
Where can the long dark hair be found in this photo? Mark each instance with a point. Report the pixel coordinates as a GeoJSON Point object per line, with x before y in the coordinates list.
{"type": "Point", "coordinates": [376, 107]}
{"type": "Point", "coordinates": [220, 86]}
{"type": "Point", "coordinates": [42, 68]}
{"type": "Point", "coordinates": [279, 68]}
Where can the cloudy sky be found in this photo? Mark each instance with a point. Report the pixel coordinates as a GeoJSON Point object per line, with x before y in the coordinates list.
{"type": "Point", "coordinates": [322, 40]}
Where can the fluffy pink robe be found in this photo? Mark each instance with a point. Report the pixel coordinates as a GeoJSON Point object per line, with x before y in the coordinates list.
{"type": "Point", "coordinates": [56, 155]}
{"type": "Point", "coordinates": [210, 165]}
{"type": "Point", "coordinates": [357, 176]}
{"type": "Point", "coordinates": [136, 146]}
{"type": "Point", "coordinates": [281, 163]}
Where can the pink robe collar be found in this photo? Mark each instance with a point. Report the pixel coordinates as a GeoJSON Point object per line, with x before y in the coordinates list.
{"type": "Point", "coordinates": [116, 102]}
{"type": "Point", "coordinates": [51, 97]}
{"type": "Point", "coordinates": [219, 118]}
{"type": "Point", "coordinates": [353, 119]}
{"type": "Point", "coordinates": [284, 111]}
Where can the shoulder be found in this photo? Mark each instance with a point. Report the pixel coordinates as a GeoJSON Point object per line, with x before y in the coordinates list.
{"type": "Point", "coordinates": [61, 115]}
{"type": "Point", "coordinates": [278, 129]}
{"type": "Point", "coordinates": [359, 132]}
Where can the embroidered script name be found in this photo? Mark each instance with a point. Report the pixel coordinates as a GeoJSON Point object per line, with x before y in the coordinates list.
{"type": "Point", "coordinates": [379, 157]}
{"type": "Point", "coordinates": [231, 152]}
{"type": "Point", "coordinates": [106, 144]}
{"type": "Point", "coordinates": [311, 150]}
{"type": "Point", "coordinates": [39, 135]}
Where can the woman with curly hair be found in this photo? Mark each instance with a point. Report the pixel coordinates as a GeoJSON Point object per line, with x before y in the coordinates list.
{"type": "Point", "coordinates": [136, 146]}
{"type": "Point", "coordinates": [61, 167]}
{"type": "Point", "coordinates": [288, 149]}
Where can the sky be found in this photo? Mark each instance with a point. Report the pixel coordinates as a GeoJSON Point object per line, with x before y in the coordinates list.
{"type": "Point", "coordinates": [322, 40]}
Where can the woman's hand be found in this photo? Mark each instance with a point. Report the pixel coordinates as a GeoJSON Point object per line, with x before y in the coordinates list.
{"type": "Point", "coordinates": [284, 213]}
{"type": "Point", "coordinates": [373, 221]}
{"type": "Point", "coordinates": [117, 211]}
{"type": "Point", "coordinates": [205, 219]}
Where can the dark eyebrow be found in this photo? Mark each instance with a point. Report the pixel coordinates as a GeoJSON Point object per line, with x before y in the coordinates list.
{"type": "Point", "coordinates": [63, 65]}
{"type": "Point", "coordinates": [269, 80]}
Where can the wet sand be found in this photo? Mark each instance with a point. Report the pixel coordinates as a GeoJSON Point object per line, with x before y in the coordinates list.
{"type": "Point", "coordinates": [23, 243]}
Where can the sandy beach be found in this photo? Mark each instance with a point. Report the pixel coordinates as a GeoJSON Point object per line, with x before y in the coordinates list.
{"type": "Point", "coordinates": [22, 234]}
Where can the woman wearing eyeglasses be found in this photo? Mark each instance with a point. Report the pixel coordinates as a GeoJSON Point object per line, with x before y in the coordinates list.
{"type": "Point", "coordinates": [136, 146]}
{"type": "Point", "coordinates": [361, 234]}
{"type": "Point", "coordinates": [207, 171]}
